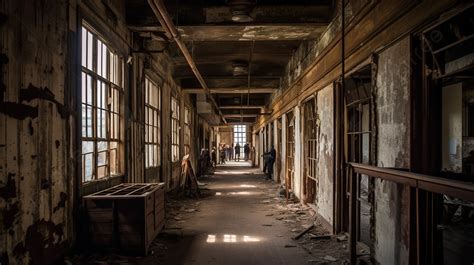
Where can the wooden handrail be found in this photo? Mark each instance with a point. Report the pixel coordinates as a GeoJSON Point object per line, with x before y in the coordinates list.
{"type": "Point", "coordinates": [458, 189]}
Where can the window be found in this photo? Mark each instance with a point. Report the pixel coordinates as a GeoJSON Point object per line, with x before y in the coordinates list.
{"type": "Point", "coordinates": [240, 136]}
{"type": "Point", "coordinates": [102, 93]}
{"type": "Point", "coordinates": [152, 123]}
{"type": "Point", "coordinates": [174, 130]}
{"type": "Point", "coordinates": [187, 130]}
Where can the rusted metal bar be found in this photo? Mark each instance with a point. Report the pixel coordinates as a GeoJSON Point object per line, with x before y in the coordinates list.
{"type": "Point", "coordinates": [353, 217]}
{"type": "Point", "coordinates": [160, 12]}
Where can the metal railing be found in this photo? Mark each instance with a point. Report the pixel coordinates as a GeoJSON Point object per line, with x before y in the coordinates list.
{"type": "Point", "coordinates": [458, 189]}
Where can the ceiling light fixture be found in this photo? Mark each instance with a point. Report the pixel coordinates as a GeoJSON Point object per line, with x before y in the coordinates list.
{"type": "Point", "coordinates": [240, 68]}
{"type": "Point", "coordinates": [240, 10]}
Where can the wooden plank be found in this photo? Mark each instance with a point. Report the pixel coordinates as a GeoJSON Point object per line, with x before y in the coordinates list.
{"type": "Point", "coordinates": [100, 216]}
{"type": "Point", "coordinates": [389, 26]}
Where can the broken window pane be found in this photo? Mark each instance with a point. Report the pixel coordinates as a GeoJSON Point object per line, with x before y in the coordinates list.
{"type": "Point", "coordinates": [100, 107]}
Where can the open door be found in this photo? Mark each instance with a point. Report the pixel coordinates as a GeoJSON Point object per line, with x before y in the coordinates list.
{"type": "Point", "coordinates": [290, 152]}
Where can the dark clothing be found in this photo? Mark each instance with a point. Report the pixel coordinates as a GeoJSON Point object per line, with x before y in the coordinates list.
{"type": "Point", "coordinates": [214, 157]}
{"type": "Point", "coordinates": [237, 149]}
{"type": "Point", "coordinates": [222, 153]}
{"type": "Point", "coordinates": [269, 158]}
{"type": "Point", "coordinates": [237, 152]}
{"type": "Point", "coordinates": [246, 151]}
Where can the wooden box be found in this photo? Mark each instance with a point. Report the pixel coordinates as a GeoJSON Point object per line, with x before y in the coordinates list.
{"type": "Point", "coordinates": [126, 217]}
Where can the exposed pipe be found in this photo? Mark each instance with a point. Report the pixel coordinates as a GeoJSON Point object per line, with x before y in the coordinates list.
{"type": "Point", "coordinates": [353, 190]}
{"type": "Point", "coordinates": [160, 12]}
{"type": "Point", "coordinates": [249, 69]}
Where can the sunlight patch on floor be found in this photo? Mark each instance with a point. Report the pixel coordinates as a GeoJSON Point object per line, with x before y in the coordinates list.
{"type": "Point", "coordinates": [231, 238]}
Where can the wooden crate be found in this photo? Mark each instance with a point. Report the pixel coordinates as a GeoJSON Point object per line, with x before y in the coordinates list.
{"type": "Point", "coordinates": [126, 217]}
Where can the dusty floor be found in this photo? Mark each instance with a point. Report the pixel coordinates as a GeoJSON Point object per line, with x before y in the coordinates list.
{"type": "Point", "coordinates": [240, 219]}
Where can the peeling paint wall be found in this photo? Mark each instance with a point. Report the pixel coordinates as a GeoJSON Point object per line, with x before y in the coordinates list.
{"type": "Point", "coordinates": [276, 171]}
{"type": "Point", "coordinates": [310, 50]}
{"type": "Point", "coordinates": [325, 172]}
{"type": "Point", "coordinates": [393, 150]}
{"type": "Point", "coordinates": [298, 177]}
{"type": "Point", "coordinates": [38, 152]}
{"type": "Point", "coordinates": [36, 169]}
{"type": "Point", "coordinates": [283, 148]}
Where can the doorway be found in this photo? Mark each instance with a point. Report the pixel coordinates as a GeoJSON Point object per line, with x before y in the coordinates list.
{"type": "Point", "coordinates": [290, 152]}
{"type": "Point", "coordinates": [359, 114]}
{"type": "Point", "coordinates": [311, 159]}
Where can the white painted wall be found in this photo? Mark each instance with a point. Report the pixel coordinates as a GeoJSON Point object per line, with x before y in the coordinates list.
{"type": "Point", "coordinates": [283, 148]}
{"type": "Point", "coordinates": [275, 144]}
{"type": "Point", "coordinates": [325, 171]}
{"type": "Point", "coordinates": [297, 179]}
{"type": "Point", "coordinates": [261, 145]}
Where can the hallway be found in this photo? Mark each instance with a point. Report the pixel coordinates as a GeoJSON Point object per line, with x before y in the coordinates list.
{"type": "Point", "coordinates": [233, 226]}
{"type": "Point", "coordinates": [115, 113]}
{"type": "Point", "coordinates": [238, 222]}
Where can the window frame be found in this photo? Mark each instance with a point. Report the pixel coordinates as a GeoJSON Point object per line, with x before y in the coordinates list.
{"type": "Point", "coordinates": [153, 124]}
{"type": "Point", "coordinates": [101, 77]}
{"type": "Point", "coordinates": [175, 129]}
{"type": "Point", "coordinates": [240, 136]}
{"type": "Point", "coordinates": [187, 130]}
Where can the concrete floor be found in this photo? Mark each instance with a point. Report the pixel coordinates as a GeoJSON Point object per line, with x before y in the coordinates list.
{"type": "Point", "coordinates": [239, 219]}
{"type": "Point", "coordinates": [235, 225]}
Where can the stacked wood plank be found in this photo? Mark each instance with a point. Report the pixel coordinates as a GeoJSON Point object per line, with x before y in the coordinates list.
{"type": "Point", "coordinates": [126, 217]}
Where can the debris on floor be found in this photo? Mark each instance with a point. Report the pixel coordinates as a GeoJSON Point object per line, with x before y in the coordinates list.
{"type": "Point", "coordinates": [308, 229]}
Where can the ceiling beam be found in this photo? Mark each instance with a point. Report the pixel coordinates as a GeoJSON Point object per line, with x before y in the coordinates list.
{"type": "Point", "coordinates": [241, 107]}
{"type": "Point", "coordinates": [226, 77]}
{"type": "Point", "coordinates": [161, 14]}
{"type": "Point", "coordinates": [231, 90]}
{"type": "Point", "coordinates": [240, 115]}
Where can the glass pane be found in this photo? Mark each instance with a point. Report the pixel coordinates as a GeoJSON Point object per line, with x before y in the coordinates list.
{"type": "Point", "coordinates": [101, 171]}
{"type": "Point", "coordinates": [83, 88]}
{"type": "Point", "coordinates": [89, 90]}
{"type": "Point", "coordinates": [113, 159]}
{"type": "Point", "coordinates": [84, 121]}
{"type": "Point", "coordinates": [87, 147]}
{"type": "Point", "coordinates": [99, 57]}
{"type": "Point", "coordinates": [365, 118]}
{"type": "Point", "coordinates": [102, 146]}
{"type": "Point", "coordinates": [89, 122]}
{"type": "Point", "coordinates": [87, 167]}
{"type": "Point", "coordinates": [89, 50]}
{"type": "Point", "coordinates": [147, 156]}
{"type": "Point", "coordinates": [366, 148]}
{"type": "Point", "coordinates": [104, 61]}
{"type": "Point", "coordinates": [84, 47]}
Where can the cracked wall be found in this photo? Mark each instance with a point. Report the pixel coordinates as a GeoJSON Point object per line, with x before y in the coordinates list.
{"type": "Point", "coordinates": [325, 172]}
{"type": "Point", "coordinates": [393, 150]}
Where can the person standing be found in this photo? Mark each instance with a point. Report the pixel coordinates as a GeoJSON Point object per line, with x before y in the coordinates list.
{"type": "Point", "coordinates": [228, 152]}
{"type": "Point", "coordinates": [222, 152]}
{"type": "Point", "coordinates": [237, 152]}
{"type": "Point", "coordinates": [214, 157]}
{"type": "Point", "coordinates": [270, 158]}
{"type": "Point", "coordinates": [246, 151]}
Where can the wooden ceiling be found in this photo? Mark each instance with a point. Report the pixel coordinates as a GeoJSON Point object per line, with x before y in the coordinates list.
{"type": "Point", "coordinates": [217, 44]}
